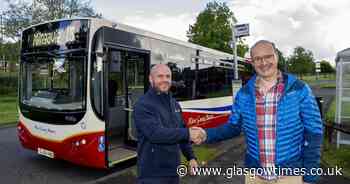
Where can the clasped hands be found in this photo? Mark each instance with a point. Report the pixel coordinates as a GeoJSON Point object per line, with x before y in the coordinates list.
{"type": "Point", "coordinates": [197, 135]}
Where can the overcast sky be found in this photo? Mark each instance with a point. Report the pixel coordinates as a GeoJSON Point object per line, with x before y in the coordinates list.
{"type": "Point", "coordinates": [320, 26]}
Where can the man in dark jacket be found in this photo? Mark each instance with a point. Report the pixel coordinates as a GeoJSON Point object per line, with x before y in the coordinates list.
{"type": "Point", "coordinates": [161, 132]}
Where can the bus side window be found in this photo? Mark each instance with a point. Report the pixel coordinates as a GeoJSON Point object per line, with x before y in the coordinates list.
{"type": "Point", "coordinates": [182, 81]}
{"type": "Point", "coordinates": [112, 87]}
{"type": "Point", "coordinates": [214, 81]}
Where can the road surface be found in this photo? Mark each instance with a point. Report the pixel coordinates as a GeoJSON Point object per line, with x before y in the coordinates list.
{"type": "Point", "coordinates": [22, 166]}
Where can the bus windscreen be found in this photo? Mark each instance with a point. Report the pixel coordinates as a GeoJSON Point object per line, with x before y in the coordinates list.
{"type": "Point", "coordinates": [53, 65]}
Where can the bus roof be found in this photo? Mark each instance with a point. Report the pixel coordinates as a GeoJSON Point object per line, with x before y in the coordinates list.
{"type": "Point", "coordinates": [145, 33]}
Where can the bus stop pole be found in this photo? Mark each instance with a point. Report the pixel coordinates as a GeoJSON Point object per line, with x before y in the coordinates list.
{"type": "Point", "coordinates": [236, 62]}
{"type": "Point", "coordinates": [2, 41]}
{"type": "Point", "coordinates": [234, 44]}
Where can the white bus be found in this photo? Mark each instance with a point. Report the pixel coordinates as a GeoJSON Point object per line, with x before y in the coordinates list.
{"type": "Point", "coordinates": [79, 80]}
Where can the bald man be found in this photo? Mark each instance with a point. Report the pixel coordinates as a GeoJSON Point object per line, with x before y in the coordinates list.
{"type": "Point", "coordinates": [281, 122]}
{"type": "Point", "coordinates": [161, 132]}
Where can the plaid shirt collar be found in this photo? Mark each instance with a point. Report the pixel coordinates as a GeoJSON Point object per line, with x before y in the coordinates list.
{"type": "Point", "coordinates": [279, 81]}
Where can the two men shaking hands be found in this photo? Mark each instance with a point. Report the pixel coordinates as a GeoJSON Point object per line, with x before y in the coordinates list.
{"type": "Point", "coordinates": [197, 135]}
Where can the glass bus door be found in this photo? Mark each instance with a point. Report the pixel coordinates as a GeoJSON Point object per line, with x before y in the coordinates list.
{"type": "Point", "coordinates": [125, 79]}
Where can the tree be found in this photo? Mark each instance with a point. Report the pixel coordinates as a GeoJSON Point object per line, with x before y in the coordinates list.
{"type": "Point", "coordinates": [242, 48]}
{"type": "Point", "coordinates": [21, 14]}
{"type": "Point", "coordinates": [326, 67]}
{"type": "Point", "coordinates": [10, 54]}
{"type": "Point", "coordinates": [282, 65]}
{"type": "Point", "coordinates": [301, 62]}
{"type": "Point", "coordinates": [213, 29]}
{"type": "Point", "coordinates": [15, 17]}
{"type": "Point", "coordinates": [80, 8]}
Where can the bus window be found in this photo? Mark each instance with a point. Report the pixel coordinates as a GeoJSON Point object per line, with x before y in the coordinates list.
{"type": "Point", "coordinates": [115, 80]}
{"type": "Point", "coordinates": [136, 75]}
{"type": "Point", "coordinates": [96, 85]}
{"type": "Point", "coordinates": [182, 81]}
{"type": "Point", "coordinates": [54, 83]}
{"type": "Point", "coordinates": [214, 81]}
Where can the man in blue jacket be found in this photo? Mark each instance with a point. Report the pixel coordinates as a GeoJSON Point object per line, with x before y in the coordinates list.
{"type": "Point", "coordinates": [161, 132]}
{"type": "Point", "coordinates": [280, 120]}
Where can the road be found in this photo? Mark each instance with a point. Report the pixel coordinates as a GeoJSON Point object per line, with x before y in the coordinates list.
{"type": "Point", "coordinates": [328, 95]}
{"type": "Point", "coordinates": [21, 166]}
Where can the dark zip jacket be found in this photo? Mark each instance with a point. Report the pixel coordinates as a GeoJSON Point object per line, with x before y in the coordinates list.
{"type": "Point", "coordinates": [161, 134]}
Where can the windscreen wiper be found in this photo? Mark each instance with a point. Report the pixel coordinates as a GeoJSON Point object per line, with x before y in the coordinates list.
{"type": "Point", "coordinates": [68, 51]}
{"type": "Point", "coordinates": [45, 53]}
{"type": "Point", "coordinates": [54, 53]}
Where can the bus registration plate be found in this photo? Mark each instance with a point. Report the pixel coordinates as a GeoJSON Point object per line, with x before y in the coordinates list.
{"type": "Point", "coordinates": [45, 152]}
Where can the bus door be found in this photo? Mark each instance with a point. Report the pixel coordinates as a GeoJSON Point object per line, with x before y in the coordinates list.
{"type": "Point", "coordinates": [125, 80]}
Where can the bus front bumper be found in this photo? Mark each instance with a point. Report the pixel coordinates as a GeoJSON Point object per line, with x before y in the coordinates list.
{"type": "Point", "coordinates": [83, 149]}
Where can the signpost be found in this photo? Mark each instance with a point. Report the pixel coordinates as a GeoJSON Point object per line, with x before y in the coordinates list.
{"type": "Point", "coordinates": [239, 30]}
{"type": "Point", "coordinates": [318, 69]}
{"type": "Point", "coordinates": [2, 42]}
{"type": "Point", "coordinates": [242, 30]}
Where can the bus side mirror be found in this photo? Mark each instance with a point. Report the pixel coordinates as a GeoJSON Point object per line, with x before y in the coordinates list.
{"type": "Point", "coordinates": [106, 56]}
{"type": "Point", "coordinates": [99, 54]}
{"type": "Point", "coordinates": [102, 55]}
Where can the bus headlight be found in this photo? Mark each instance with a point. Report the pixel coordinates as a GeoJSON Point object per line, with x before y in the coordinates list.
{"type": "Point", "coordinates": [83, 141]}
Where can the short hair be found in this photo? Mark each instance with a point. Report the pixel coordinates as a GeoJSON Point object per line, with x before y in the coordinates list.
{"type": "Point", "coordinates": [156, 66]}
{"type": "Point", "coordinates": [263, 42]}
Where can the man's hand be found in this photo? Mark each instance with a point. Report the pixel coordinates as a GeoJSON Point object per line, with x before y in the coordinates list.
{"type": "Point", "coordinates": [197, 135]}
{"type": "Point", "coordinates": [192, 164]}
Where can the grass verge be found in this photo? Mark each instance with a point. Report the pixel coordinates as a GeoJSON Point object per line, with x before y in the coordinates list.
{"type": "Point", "coordinates": [204, 153]}
{"type": "Point", "coordinates": [8, 109]}
{"type": "Point", "coordinates": [331, 156]}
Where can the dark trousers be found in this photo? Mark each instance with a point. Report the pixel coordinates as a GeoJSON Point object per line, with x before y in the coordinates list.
{"type": "Point", "coordinates": [159, 180]}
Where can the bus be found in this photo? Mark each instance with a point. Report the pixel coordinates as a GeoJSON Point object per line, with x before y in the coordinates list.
{"type": "Point", "coordinates": [79, 79]}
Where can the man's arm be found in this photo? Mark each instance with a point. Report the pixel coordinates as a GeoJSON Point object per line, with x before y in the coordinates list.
{"type": "Point", "coordinates": [150, 126]}
{"type": "Point", "coordinates": [186, 147]}
{"type": "Point", "coordinates": [230, 129]}
{"type": "Point", "coordinates": [313, 132]}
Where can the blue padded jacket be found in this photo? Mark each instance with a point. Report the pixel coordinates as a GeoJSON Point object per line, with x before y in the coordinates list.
{"type": "Point", "coordinates": [299, 127]}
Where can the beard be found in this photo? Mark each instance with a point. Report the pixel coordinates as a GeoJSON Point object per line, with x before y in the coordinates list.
{"type": "Point", "coordinates": [266, 70]}
{"type": "Point", "coordinates": [158, 87]}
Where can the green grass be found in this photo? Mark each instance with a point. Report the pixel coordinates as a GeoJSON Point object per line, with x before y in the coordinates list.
{"type": "Point", "coordinates": [332, 156]}
{"type": "Point", "coordinates": [8, 109]}
{"type": "Point", "coordinates": [204, 153]}
{"type": "Point", "coordinates": [312, 78]}
{"type": "Point", "coordinates": [330, 114]}
{"type": "Point", "coordinates": [328, 85]}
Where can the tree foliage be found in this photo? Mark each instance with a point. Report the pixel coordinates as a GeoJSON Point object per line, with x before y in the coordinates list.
{"type": "Point", "coordinates": [281, 60]}
{"type": "Point", "coordinates": [242, 48]}
{"type": "Point", "coordinates": [10, 53]}
{"type": "Point", "coordinates": [21, 14]}
{"type": "Point", "coordinates": [301, 62]}
{"type": "Point", "coordinates": [213, 29]}
{"type": "Point", "coordinates": [326, 67]}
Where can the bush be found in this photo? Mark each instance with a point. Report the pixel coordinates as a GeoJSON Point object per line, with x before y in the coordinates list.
{"type": "Point", "coordinates": [8, 83]}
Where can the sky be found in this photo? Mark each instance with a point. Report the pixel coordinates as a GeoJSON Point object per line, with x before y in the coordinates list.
{"type": "Point", "coordinates": [319, 26]}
